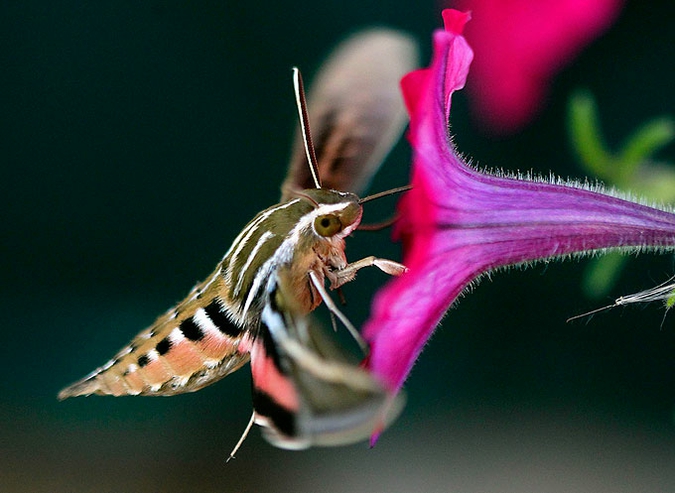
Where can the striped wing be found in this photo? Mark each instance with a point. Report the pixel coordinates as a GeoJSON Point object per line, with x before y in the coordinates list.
{"type": "Point", "coordinates": [305, 390]}
{"type": "Point", "coordinates": [356, 111]}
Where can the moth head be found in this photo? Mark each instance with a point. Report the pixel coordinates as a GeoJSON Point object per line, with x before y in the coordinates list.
{"type": "Point", "coordinates": [328, 224]}
{"type": "Point", "coordinates": [335, 213]}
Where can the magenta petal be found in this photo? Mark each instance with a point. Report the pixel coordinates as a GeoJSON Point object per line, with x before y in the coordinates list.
{"type": "Point", "coordinates": [520, 45]}
{"type": "Point", "coordinates": [457, 223]}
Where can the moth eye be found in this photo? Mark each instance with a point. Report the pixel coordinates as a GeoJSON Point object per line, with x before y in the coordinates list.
{"type": "Point", "coordinates": [327, 225]}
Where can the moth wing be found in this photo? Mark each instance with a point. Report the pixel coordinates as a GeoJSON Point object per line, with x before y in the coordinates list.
{"type": "Point", "coordinates": [356, 111]}
{"type": "Point", "coordinates": [343, 402]}
{"type": "Point", "coordinates": [307, 392]}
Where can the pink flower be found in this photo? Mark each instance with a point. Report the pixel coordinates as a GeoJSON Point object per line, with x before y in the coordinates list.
{"type": "Point", "coordinates": [458, 223]}
{"type": "Point", "coordinates": [520, 45]}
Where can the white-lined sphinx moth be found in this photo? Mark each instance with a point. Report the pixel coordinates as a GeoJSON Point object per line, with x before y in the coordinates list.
{"type": "Point", "coordinates": [256, 304]}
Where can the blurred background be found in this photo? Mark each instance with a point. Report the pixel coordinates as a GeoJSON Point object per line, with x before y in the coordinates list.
{"type": "Point", "coordinates": [137, 138]}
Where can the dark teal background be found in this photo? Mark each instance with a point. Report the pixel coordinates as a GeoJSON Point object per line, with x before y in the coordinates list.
{"type": "Point", "coordinates": [137, 138]}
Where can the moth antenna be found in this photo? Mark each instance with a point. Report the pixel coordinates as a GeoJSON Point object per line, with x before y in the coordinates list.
{"type": "Point", "coordinates": [243, 437]}
{"type": "Point", "coordinates": [301, 103]}
{"type": "Point", "coordinates": [379, 195]}
{"type": "Point", "coordinates": [306, 197]}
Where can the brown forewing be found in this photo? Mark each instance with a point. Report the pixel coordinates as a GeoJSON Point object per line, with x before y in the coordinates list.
{"type": "Point", "coordinates": [356, 111]}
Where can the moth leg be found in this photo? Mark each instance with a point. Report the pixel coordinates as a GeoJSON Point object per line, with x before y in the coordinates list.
{"type": "Point", "coordinates": [243, 437]}
{"type": "Point", "coordinates": [318, 284]}
{"type": "Point", "coordinates": [347, 274]}
{"type": "Point", "coordinates": [333, 321]}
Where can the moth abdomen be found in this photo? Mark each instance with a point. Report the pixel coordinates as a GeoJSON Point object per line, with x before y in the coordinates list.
{"type": "Point", "coordinates": [187, 348]}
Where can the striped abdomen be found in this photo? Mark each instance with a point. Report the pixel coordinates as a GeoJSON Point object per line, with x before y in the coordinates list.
{"type": "Point", "coordinates": [189, 347]}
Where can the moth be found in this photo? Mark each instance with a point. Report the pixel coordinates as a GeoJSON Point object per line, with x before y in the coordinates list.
{"type": "Point", "coordinates": [257, 304]}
